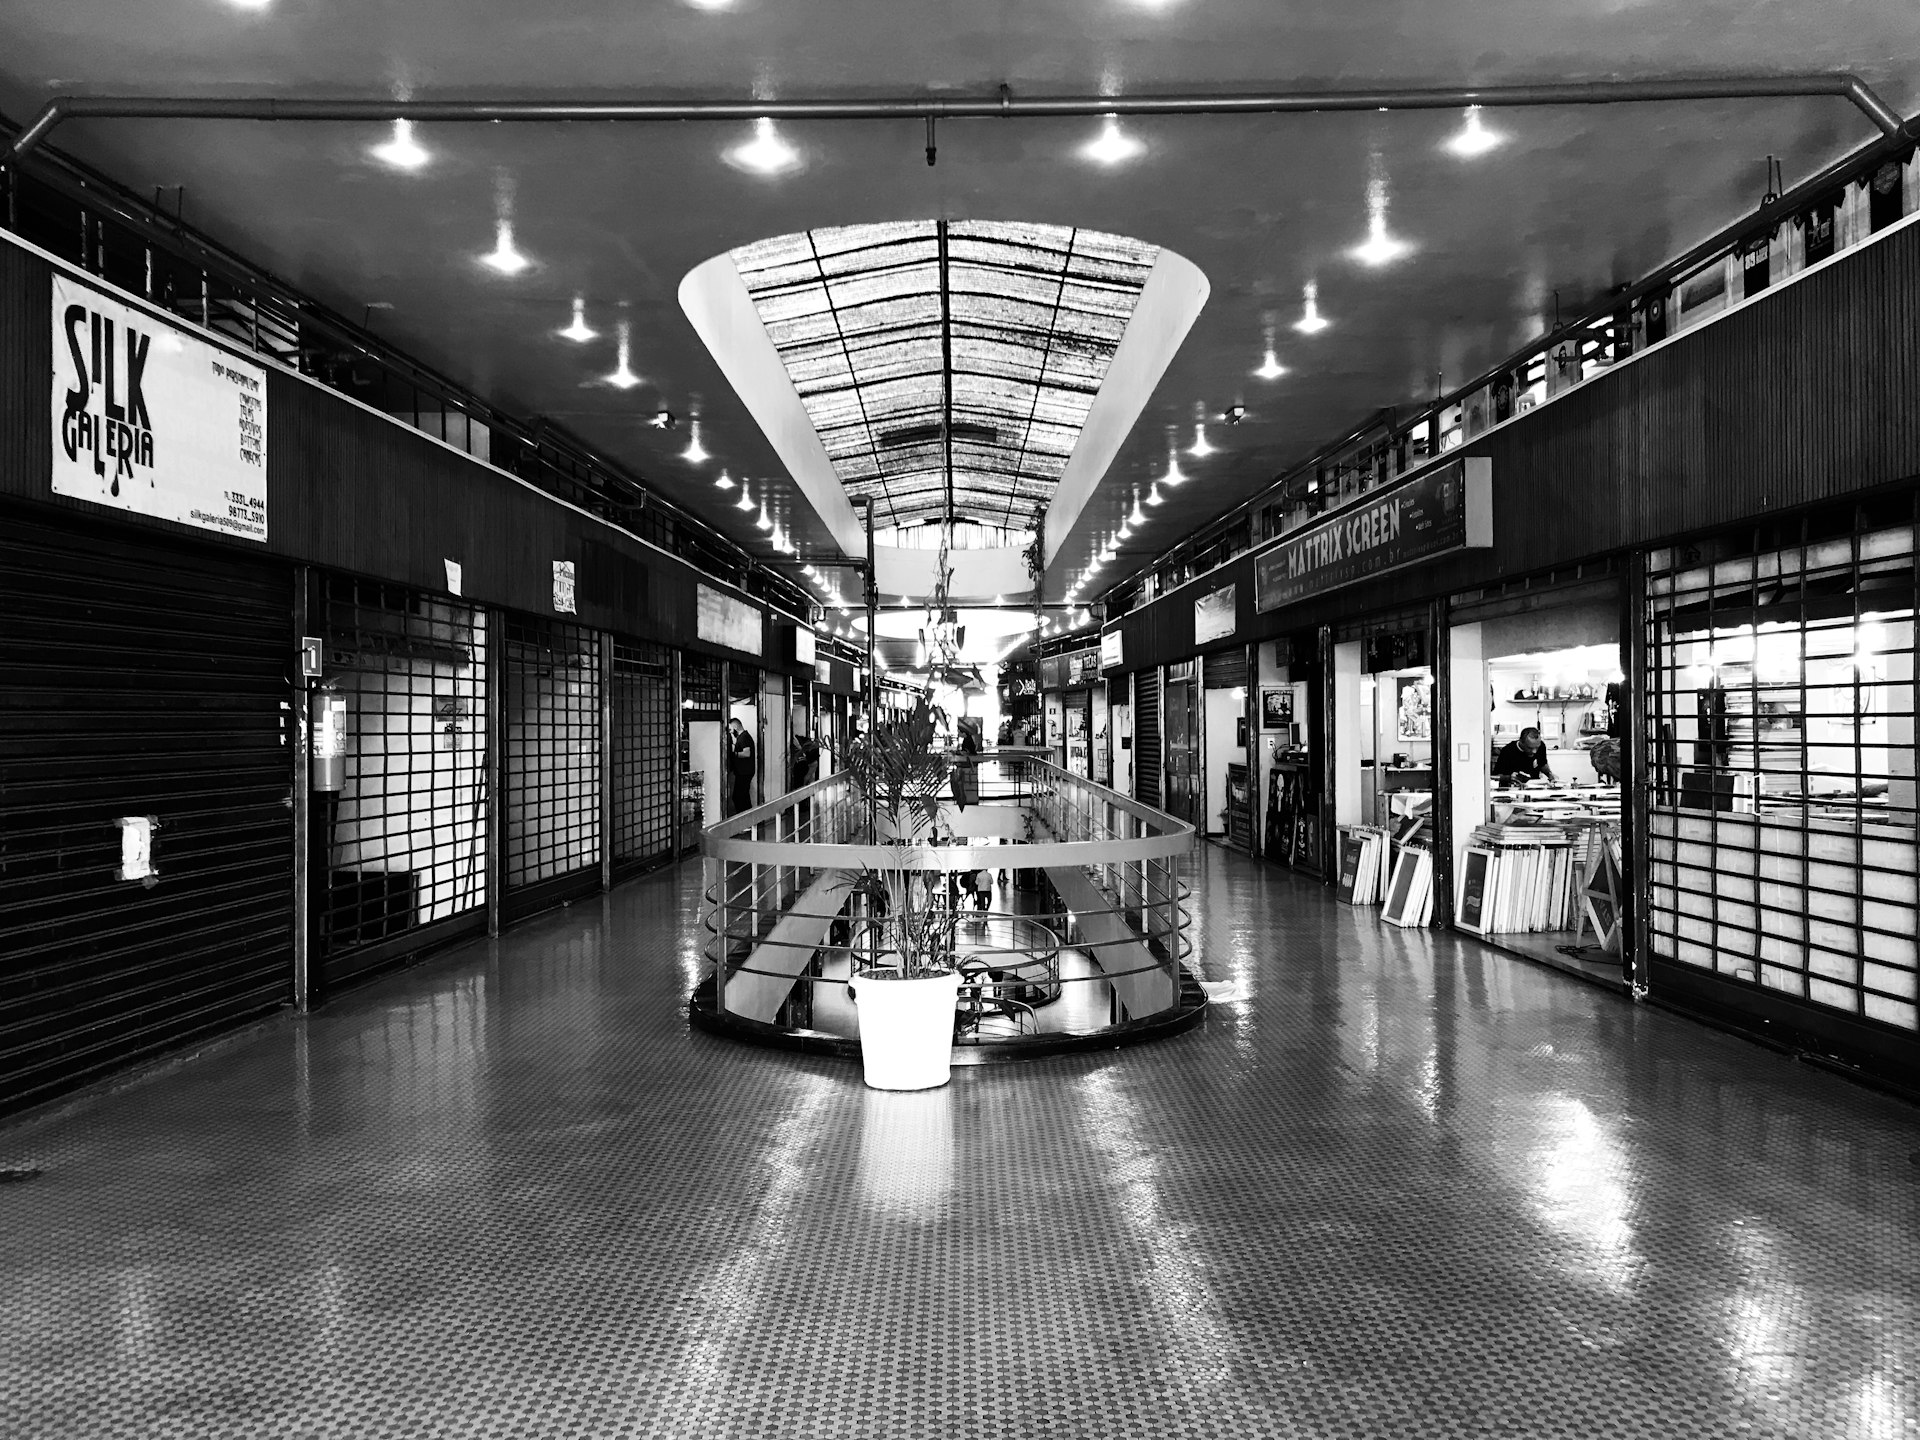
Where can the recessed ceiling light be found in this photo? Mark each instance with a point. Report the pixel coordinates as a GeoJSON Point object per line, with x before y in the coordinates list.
{"type": "Point", "coordinates": [1474, 138]}
{"type": "Point", "coordinates": [745, 501]}
{"type": "Point", "coordinates": [250, 4]}
{"type": "Point", "coordinates": [1379, 248]}
{"type": "Point", "coordinates": [1270, 369]}
{"type": "Point", "coordinates": [1111, 146]}
{"type": "Point", "coordinates": [1311, 321]}
{"type": "Point", "coordinates": [401, 152]}
{"type": "Point", "coordinates": [579, 331]}
{"type": "Point", "coordinates": [767, 153]}
{"type": "Point", "coordinates": [1139, 516]}
{"type": "Point", "coordinates": [725, 482]}
{"type": "Point", "coordinates": [623, 377]}
{"type": "Point", "coordinates": [1154, 497]}
{"type": "Point", "coordinates": [1175, 475]}
{"type": "Point", "coordinates": [694, 453]}
{"type": "Point", "coordinates": [763, 522]}
{"type": "Point", "coordinates": [1200, 449]}
{"type": "Point", "coordinates": [504, 257]}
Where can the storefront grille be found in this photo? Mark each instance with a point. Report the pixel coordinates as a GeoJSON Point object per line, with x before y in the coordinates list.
{"type": "Point", "coordinates": [552, 752]}
{"type": "Point", "coordinates": [645, 772]}
{"type": "Point", "coordinates": [1226, 669]}
{"type": "Point", "coordinates": [1780, 764]}
{"type": "Point", "coordinates": [404, 838]}
{"type": "Point", "coordinates": [1146, 737]}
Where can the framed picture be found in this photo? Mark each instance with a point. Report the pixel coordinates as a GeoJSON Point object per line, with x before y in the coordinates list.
{"type": "Point", "coordinates": [1413, 707]}
{"type": "Point", "coordinates": [1472, 911]}
{"type": "Point", "coordinates": [1276, 707]}
{"type": "Point", "coordinates": [1407, 890]}
{"type": "Point", "coordinates": [1240, 731]}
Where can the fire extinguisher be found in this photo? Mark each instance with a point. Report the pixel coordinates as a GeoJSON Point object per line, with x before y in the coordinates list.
{"type": "Point", "coordinates": [329, 763]}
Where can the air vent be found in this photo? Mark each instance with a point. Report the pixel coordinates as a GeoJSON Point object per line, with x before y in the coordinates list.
{"type": "Point", "coordinates": [927, 434]}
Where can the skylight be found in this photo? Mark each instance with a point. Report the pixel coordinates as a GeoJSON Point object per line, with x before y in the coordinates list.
{"type": "Point", "coordinates": [1030, 314]}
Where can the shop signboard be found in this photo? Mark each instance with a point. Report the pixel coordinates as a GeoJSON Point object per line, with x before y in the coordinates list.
{"type": "Point", "coordinates": [1083, 667]}
{"type": "Point", "coordinates": [147, 418]}
{"type": "Point", "coordinates": [1446, 508]}
{"type": "Point", "coordinates": [1112, 655]}
{"type": "Point", "coordinates": [720, 619]}
{"type": "Point", "coordinates": [1214, 614]}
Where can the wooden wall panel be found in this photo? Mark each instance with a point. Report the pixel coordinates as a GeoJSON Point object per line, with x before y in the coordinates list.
{"type": "Point", "coordinates": [351, 490]}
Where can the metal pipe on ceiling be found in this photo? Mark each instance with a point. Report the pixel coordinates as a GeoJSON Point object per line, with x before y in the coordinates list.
{"type": "Point", "coordinates": [1003, 104]}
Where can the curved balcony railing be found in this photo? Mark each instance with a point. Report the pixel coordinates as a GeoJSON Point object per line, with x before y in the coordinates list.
{"type": "Point", "coordinates": [1070, 918]}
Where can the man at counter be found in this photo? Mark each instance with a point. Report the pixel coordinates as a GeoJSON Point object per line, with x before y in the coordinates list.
{"type": "Point", "coordinates": [1524, 759]}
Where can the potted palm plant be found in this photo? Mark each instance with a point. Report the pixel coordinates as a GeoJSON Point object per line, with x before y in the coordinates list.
{"type": "Point", "coordinates": [905, 981]}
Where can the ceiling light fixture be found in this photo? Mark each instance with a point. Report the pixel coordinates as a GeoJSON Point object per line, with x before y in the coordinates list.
{"type": "Point", "coordinates": [1200, 449]}
{"type": "Point", "coordinates": [662, 419]}
{"type": "Point", "coordinates": [1270, 367]}
{"type": "Point", "coordinates": [1175, 475]}
{"type": "Point", "coordinates": [763, 522]}
{"type": "Point", "coordinates": [1111, 147]}
{"type": "Point", "coordinates": [766, 153]}
{"type": "Point", "coordinates": [1154, 497]}
{"type": "Point", "coordinates": [1311, 321]}
{"type": "Point", "coordinates": [504, 258]}
{"type": "Point", "coordinates": [623, 377]}
{"type": "Point", "coordinates": [1474, 138]}
{"type": "Point", "coordinates": [725, 482]}
{"type": "Point", "coordinates": [1379, 248]}
{"type": "Point", "coordinates": [1234, 414]}
{"type": "Point", "coordinates": [579, 331]}
{"type": "Point", "coordinates": [401, 152]}
{"type": "Point", "coordinates": [1139, 516]}
{"type": "Point", "coordinates": [746, 501]}
{"type": "Point", "coordinates": [694, 454]}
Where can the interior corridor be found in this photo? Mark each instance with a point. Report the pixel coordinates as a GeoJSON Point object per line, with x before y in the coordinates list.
{"type": "Point", "coordinates": [1399, 1184]}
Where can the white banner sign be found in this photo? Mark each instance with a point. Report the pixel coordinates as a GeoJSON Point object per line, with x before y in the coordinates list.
{"type": "Point", "coordinates": [153, 421]}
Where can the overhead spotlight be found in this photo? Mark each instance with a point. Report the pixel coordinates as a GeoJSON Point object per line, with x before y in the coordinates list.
{"type": "Point", "coordinates": [1474, 138]}
{"type": "Point", "coordinates": [1111, 146]}
{"type": "Point", "coordinates": [766, 153]}
{"type": "Point", "coordinates": [1311, 321]}
{"type": "Point", "coordinates": [1379, 248]}
{"type": "Point", "coordinates": [1139, 516]}
{"type": "Point", "coordinates": [1126, 530]}
{"type": "Point", "coordinates": [1175, 475]}
{"type": "Point", "coordinates": [1270, 367]}
{"type": "Point", "coordinates": [1234, 414]}
{"type": "Point", "coordinates": [401, 152]}
{"type": "Point", "coordinates": [746, 500]}
{"type": "Point", "coordinates": [1200, 449]}
{"type": "Point", "coordinates": [623, 377]}
{"type": "Point", "coordinates": [694, 453]}
{"type": "Point", "coordinates": [504, 258]}
{"type": "Point", "coordinates": [763, 522]}
{"type": "Point", "coordinates": [725, 482]}
{"type": "Point", "coordinates": [1154, 497]}
{"type": "Point", "coordinates": [579, 331]}
{"type": "Point", "coordinates": [663, 419]}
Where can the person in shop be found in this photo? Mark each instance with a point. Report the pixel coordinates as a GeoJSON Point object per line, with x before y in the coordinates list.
{"type": "Point", "coordinates": [1524, 759]}
{"type": "Point", "coordinates": [741, 758]}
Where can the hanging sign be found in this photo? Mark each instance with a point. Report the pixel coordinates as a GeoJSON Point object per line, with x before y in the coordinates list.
{"type": "Point", "coordinates": [150, 420]}
{"type": "Point", "coordinates": [1447, 508]}
{"type": "Point", "coordinates": [1112, 651]}
{"type": "Point", "coordinates": [1214, 614]}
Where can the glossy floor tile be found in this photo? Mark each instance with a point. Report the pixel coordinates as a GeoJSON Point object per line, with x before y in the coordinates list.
{"type": "Point", "coordinates": [1399, 1185]}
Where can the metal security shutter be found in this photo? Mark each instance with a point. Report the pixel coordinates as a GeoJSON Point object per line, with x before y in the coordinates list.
{"type": "Point", "coordinates": [1226, 669]}
{"type": "Point", "coordinates": [1146, 737]}
{"type": "Point", "coordinates": [142, 678]}
{"type": "Point", "coordinates": [645, 782]}
{"type": "Point", "coordinates": [552, 762]}
{"type": "Point", "coordinates": [404, 841]}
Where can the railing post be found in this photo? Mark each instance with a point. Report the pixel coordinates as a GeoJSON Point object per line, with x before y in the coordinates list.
{"type": "Point", "coordinates": [713, 873]}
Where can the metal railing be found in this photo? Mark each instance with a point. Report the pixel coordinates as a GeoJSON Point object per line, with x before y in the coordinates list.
{"type": "Point", "coordinates": [1106, 906]}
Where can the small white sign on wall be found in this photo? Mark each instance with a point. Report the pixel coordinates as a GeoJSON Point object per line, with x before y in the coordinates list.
{"type": "Point", "coordinates": [154, 421]}
{"type": "Point", "coordinates": [453, 576]}
{"type": "Point", "coordinates": [563, 587]}
{"type": "Point", "coordinates": [136, 849]}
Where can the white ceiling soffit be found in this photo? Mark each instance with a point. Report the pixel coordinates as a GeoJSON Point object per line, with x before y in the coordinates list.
{"type": "Point", "coordinates": [723, 315]}
{"type": "Point", "coordinates": [1172, 299]}
{"type": "Point", "coordinates": [977, 574]}
{"type": "Point", "coordinates": [837, 341]}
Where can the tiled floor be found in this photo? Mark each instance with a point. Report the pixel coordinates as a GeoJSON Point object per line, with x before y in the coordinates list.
{"type": "Point", "coordinates": [1398, 1186]}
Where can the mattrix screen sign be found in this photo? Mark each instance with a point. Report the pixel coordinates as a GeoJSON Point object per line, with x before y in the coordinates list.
{"type": "Point", "coordinates": [722, 620]}
{"type": "Point", "coordinates": [150, 420]}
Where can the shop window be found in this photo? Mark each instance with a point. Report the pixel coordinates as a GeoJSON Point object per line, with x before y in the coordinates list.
{"type": "Point", "coordinates": [644, 752]}
{"type": "Point", "coordinates": [1781, 764]}
{"type": "Point", "coordinates": [405, 832]}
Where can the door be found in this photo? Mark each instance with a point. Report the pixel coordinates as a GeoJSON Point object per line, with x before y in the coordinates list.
{"type": "Point", "coordinates": [1184, 774]}
{"type": "Point", "coordinates": [552, 763]}
{"type": "Point", "coordinates": [147, 692]}
{"type": "Point", "coordinates": [645, 783]}
{"type": "Point", "coordinates": [1146, 738]}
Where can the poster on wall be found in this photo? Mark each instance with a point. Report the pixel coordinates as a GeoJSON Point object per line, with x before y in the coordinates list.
{"type": "Point", "coordinates": [1213, 615]}
{"type": "Point", "coordinates": [1276, 707]}
{"type": "Point", "coordinates": [1447, 508]}
{"type": "Point", "coordinates": [1413, 708]}
{"type": "Point", "coordinates": [153, 421]}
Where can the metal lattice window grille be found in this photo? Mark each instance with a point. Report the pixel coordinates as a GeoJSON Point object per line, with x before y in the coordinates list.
{"type": "Point", "coordinates": [552, 749]}
{"type": "Point", "coordinates": [405, 836]}
{"type": "Point", "coordinates": [1780, 767]}
{"type": "Point", "coordinates": [645, 752]}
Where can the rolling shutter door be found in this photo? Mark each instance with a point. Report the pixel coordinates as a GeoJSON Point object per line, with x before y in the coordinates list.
{"type": "Point", "coordinates": [1146, 737]}
{"type": "Point", "coordinates": [645, 785]}
{"type": "Point", "coordinates": [142, 679]}
{"type": "Point", "coordinates": [1225, 669]}
{"type": "Point", "coordinates": [552, 763]}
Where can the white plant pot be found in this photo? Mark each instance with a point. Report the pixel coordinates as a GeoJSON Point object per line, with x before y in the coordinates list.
{"type": "Point", "coordinates": [906, 1030]}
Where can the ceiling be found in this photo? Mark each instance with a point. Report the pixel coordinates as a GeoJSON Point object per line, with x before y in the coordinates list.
{"type": "Point", "coordinates": [615, 216]}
